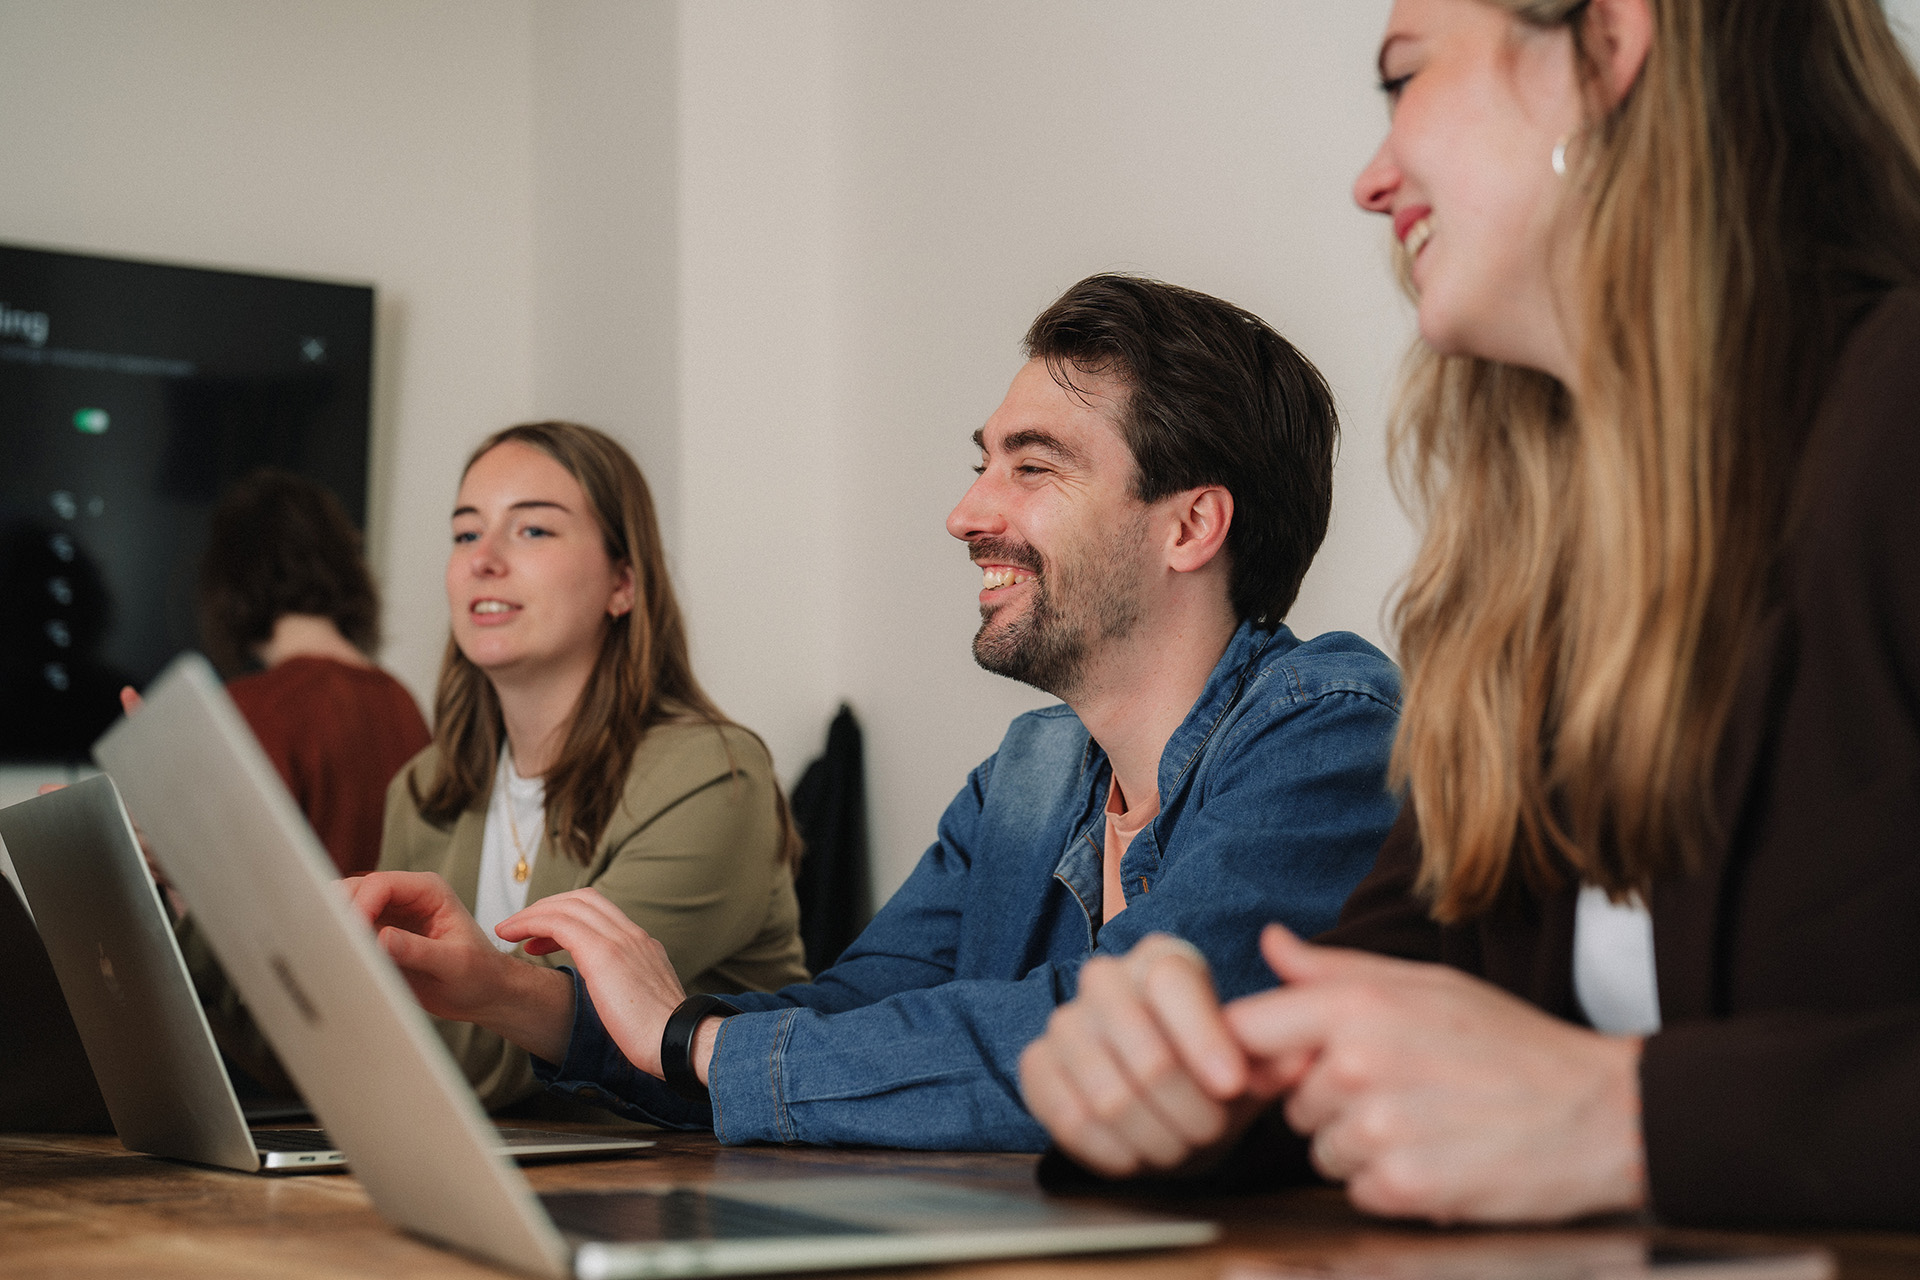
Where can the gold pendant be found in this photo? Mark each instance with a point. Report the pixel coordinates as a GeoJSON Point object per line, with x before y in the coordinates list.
{"type": "Point", "coordinates": [520, 871]}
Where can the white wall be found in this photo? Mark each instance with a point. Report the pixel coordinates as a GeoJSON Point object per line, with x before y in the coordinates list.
{"type": "Point", "coordinates": [360, 141]}
{"type": "Point", "coordinates": [784, 251]}
{"type": "Point", "coordinates": [353, 139]}
{"type": "Point", "coordinates": [1904, 16]}
{"type": "Point", "coordinates": [605, 210]}
{"type": "Point", "coordinates": [761, 476]}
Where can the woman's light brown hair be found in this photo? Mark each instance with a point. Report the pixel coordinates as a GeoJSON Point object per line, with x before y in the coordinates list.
{"type": "Point", "coordinates": [1578, 617]}
{"type": "Point", "coordinates": [643, 677]}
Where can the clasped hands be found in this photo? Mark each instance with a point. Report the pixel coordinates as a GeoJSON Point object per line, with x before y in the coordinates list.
{"type": "Point", "coordinates": [1429, 1093]}
{"type": "Point", "coordinates": [456, 972]}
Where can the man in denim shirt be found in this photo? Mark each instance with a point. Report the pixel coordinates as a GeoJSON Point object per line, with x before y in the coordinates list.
{"type": "Point", "coordinates": [1149, 496]}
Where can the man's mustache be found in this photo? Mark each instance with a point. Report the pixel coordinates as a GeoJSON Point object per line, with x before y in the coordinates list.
{"type": "Point", "coordinates": [1000, 551]}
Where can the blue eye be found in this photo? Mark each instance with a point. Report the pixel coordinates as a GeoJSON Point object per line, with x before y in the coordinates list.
{"type": "Point", "coordinates": [464, 536]}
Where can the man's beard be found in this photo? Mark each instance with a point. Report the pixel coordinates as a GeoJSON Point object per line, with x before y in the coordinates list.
{"type": "Point", "coordinates": [1078, 605]}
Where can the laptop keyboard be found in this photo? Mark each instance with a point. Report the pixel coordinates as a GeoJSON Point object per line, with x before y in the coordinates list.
{"type": "Point", "coordinates": [317, 1139]}
{"type": "Point", "coordinates": [685, 1213]}
{"type": "Point", "coordinates": [292, 1140]}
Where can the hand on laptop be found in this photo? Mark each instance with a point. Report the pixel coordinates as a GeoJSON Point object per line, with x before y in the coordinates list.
{"type": "Point", "coordinates": [626, 970]}
{"type": "Point", "coordinates": [455, 972]}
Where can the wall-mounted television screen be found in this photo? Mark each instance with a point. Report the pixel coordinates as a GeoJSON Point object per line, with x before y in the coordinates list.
{"type": "Point", "coordinates": [132, 394]}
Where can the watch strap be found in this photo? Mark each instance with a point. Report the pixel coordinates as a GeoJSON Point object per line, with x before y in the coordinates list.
{"type": "Point", "coordinates": [676, 1044]}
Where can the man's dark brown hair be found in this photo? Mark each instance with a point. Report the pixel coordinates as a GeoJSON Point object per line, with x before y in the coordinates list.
{"type": "Point", "coordinates": [1215, 397]}
{"type": "Point", "coordinates": [281, 544]}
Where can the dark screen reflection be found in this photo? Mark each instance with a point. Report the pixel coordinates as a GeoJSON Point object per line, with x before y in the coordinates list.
{"type": "Point", "coordinates": [131, 395]}
{"type": "Point", "coordinates": [56, 692]}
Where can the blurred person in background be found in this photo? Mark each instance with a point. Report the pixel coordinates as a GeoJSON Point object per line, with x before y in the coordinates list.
{"type": "Point", "coordinates": [285, 597]}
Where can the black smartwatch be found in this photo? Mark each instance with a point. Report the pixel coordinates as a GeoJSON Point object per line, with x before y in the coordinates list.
{"type": "Point", "coordinates": [676, 1044]}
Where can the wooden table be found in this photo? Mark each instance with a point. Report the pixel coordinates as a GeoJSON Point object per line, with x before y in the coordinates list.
{"type": "Point", "coordinates": [85, 1207]}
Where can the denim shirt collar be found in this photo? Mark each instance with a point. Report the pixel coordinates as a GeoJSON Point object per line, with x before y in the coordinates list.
{"type": "Point", "coordinates": [1230, 676]}
{"type": "Point", "coordinates": [1079, 868]}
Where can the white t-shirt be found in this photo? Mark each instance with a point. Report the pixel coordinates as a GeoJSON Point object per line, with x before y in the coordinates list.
{"type": "Point", "coordinates": [500, 894]}
{"type": "Point", "coordinates": [1613, 973]}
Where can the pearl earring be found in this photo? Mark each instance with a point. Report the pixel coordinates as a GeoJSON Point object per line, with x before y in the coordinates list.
{"type": "Point", "coordinates": [1560, 155]}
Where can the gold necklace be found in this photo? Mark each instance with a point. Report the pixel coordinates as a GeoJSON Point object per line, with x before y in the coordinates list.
{"type": "Point", "coordinates": [513, 829]}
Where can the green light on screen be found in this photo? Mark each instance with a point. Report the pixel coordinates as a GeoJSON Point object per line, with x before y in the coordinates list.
{"type": "Point", "coordinates": [91, 422]}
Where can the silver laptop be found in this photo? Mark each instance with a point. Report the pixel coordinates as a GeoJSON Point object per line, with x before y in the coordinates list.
{"type": "Point", "coordinates": [133, 1002]}
{"type": "Point", "coordinates": [364, 1054]}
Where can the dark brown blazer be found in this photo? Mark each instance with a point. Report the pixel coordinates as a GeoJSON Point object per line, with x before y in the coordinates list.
{"type": "Point", "coordinates": [1785, 1083]}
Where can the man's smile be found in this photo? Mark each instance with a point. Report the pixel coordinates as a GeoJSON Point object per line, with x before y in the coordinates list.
{"type": "Point", "coordinates": [993, 576]}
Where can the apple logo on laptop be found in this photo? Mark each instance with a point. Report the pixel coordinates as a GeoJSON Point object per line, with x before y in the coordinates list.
{"type": "Point", "coordinates": [106, 971]}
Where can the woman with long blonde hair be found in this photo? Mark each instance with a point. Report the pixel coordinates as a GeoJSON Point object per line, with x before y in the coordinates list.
{"type": "Point", "coordinates": [1650, 921]}
{"type": "Point", "coordinates": [572, 745]}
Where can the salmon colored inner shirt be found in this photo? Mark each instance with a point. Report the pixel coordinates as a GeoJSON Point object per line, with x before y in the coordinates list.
{"type": "Point", "coordinates": [1123, 824]}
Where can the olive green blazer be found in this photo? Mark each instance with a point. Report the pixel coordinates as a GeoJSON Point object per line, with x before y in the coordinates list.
{"type": "Point", "coordinates": [691, 855]}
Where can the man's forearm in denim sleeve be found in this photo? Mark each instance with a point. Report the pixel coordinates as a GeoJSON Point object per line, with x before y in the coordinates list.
{"type": "Point", "coordinates": [935, 1069]}
{"type": "Point", "coordinates": [913, 941]}
{"type": "Point", "coordinates": [909, 944]}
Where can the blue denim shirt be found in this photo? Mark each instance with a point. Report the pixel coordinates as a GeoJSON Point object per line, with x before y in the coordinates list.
{"type": "Point", "coordinates": [1273, 804]}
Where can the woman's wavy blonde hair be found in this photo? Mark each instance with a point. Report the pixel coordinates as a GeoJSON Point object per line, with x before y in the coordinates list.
{"type": "Point", "coordinates": [1579, 614]}
{"type": "Point", "coordinates": [643, 676]}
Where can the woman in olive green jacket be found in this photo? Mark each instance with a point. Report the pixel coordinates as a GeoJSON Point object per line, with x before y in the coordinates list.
{"type": "Point", "coordinates": [688, 856]}
{"type": "Point", "coordinates": [572, 744]}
